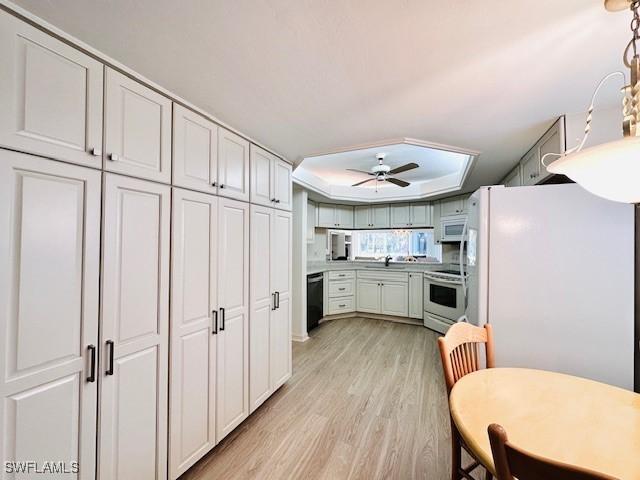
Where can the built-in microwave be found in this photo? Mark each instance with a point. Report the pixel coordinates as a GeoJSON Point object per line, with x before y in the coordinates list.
{"type": "Point", "coordinates": [452, 228]}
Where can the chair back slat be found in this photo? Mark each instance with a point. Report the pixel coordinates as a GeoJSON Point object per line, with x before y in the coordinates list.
{"type": "Point", "coordinates": [512, 462]}
{"type": "Point", "coordinates": [460, 351]}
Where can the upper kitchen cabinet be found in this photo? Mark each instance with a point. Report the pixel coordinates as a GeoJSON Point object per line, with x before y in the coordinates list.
{"type": "Point", "coordinates": [335, 216]}
{"type": "Point", "coordinates": [51, 96]}
{"type": "Point", "coordinates": [514, 178]}
{"type": "Point", "coordinates": [410, 215]}
{"type": "Point", "coordinates": [553, 141]}
{"type": "Point", "coordinates": [371, 216]}
{"type": "Point", "coordinates": [137, 129]}
{"type": "Point", "coordinates": [453, 206]}
{"type": "Point", "coordinates": [400, 215]}
{"type": "Point", "coordinates": [233, 166]}
{"type": "Point", "coordinates": [421, 215]}
{"type": "Point", "coordinates": [530, 166]}
{"type": "Point", "coordinates": [270, 180]}
{"type": "Point", "coordinates": [195, 151]}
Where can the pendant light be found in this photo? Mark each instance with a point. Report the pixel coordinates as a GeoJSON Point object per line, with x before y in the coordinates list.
{"type": "Point", "coordinates": [612, 170]}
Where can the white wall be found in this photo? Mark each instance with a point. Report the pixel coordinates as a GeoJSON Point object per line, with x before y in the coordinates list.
{"type": "Point", "coordinates": [606, 126]}
{"type": "Point", "coordinates": [299, 274]}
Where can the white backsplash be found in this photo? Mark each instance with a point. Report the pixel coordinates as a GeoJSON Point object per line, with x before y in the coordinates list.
{"type": "Point", "coordinates": [317, 251]}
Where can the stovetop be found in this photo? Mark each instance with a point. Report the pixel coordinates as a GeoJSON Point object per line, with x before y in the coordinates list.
{"type": "Point", "coordinates": [450, 272]}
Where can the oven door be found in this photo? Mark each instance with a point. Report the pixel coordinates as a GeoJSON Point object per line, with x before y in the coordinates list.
{"type": "Point", "coordinates": [443, 298]}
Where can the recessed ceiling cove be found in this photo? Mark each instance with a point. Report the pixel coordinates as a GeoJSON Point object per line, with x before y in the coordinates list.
{"type": "Point", "coordinates": [393, 170]}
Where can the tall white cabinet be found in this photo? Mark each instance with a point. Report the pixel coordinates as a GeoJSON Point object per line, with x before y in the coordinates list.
{"type": "Point", "coordinates": [232, 372]}
{"type": "Point", "coordinates": [270, 180]}
{"type": "Point", "coordinates": [270, 325]}
{"type": "Point", "coordinates": [135, 325]}
{"type": "Point", "coordinates": [49, 254]}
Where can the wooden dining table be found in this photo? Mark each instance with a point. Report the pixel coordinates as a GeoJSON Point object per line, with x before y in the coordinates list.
{"type": "Point", "coordinates": [566, 418]}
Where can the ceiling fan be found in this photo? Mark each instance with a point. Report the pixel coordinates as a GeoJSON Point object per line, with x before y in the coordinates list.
{"type": "Point", "coordinates": [382, 172]}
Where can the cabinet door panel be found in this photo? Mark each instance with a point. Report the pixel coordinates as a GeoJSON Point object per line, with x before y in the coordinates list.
{"type": "Point", "coordinates": [344, 216]}
{"type": "Point", "coordinates": [395, 299]}
{"type": "Point", "coordinates": [232, 403]}
{"type": "Point", "coordinates": [380, 216]}
{"type": "Point", "coordinates": [282, 184]}
{"type": "Point", "coordinates": [530, 168]}
{"type": "Point", "coordinates": [368, 296]}
{"type": "Point", "coordinates": [552, 142]}
{"type": "Point", "coordinates": [135, 298]}
{"type": "Point", "coordinates": [51, 95]}
{"type": "Point", "coordinates": [362, 217]}
{"type": "Point", "coordinates": [233, 165]}
{"type": "Point", "coordinates": [420, 215]}
{"type": "Point", "coordinates": [137, 129]}
{"type": "Point", "coordinates": [450, 206]}
{"type": "Point", "coordinates": [513, 179]}
{"type": "Point", "coordinates": [416, 305]}
{"type": "Point", "coordinates": [193, 345]}
{"type": "Point", "coordinates": [49, 254]}
{"type": "Point", "coordinates": [262, 177]}
{"type": "Point", "coordinates": [280, 330]}
{"type": "Point", "coordinates": [262, 304]}
{"type": "Point", "coordinates": [400, 216]}
{"type": "Point", "coordinates": [195, 151]}
{"type": "Point", "coordinates": [326, 215]}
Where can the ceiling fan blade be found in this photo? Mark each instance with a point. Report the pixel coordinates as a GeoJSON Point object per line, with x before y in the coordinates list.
{"type": "Point", "coordinates": [365, 181]}
{"type": "Point", "coordinates": [398, 182]}
{"type": "Point", "coordinates": [360, 171]}
{"type": "Point", "coordinates": [403, 168]}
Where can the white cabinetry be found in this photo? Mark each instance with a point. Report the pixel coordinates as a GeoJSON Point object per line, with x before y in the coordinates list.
{"type": "Point", "coordinates": [371, 216]}
{"type": "Point", "coordinates": [137, 129]}
{"type": "Point", "coordinates": [421, 215]}
{"type": "Point", "coordinates": [195, 151]}
{"type": "Point", "coordinates": [514, 178]}
{"type": "Point", "coordinates": [270, 319]}
{"type": "Point", "coordinates": [270, 180]}
{"type": "Point", "coordinates": [335, 216]}
{"type": "Point", "coordinates": [452, 206]}
{"type": "Point", "coordinates": [383, 292]}
{"type": "Point", "coordinates": [194, 318]}
{"type": "Point", "coordinates": [51, 96]}
{"type": "Point", "coordinates": [135, 323]}
{"type": "Point", "coordinates": [416, 306]}
{"type": "Point", "coordinates": [553, 141]}
{"type": "Point", "coordinates": [400, 215]}
{"type": "Point", "coordinates": [530, 167]}
{"type": "Point", "coordinates": [49, 254]}
{"type": "Point", "coordinates": [232, 399]}
{"type": "Point", "coordinates": [411, 215]}
{"type": "Point", "coordinates": [233, 166]}
{"type": "Point", "coordinates": [341, 291]}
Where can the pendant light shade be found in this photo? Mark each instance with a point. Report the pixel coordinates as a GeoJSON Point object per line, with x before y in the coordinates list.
{"type": "Point", "coordinates": [610, 170]}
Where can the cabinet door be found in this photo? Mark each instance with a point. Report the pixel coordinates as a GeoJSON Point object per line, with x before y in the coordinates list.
{"type": "Point", "coordinates": [551, 142]}
{"type": "Point", "coordinates": [262, 172]}
{"type": "Point", "coordinates": [192, 381]}
{"type": "Point", "coordinates": [137, 129]}
{"type": "Point", "coordinates": [400, 215]}
{"type": "Point", "coordinates": [530, 167]}
{"type": "Point", "coordinates": [380, 216]}
{"type": "Point", "coordinates": [195, 151]}
{"type": "Point", "coordinates": [311, 222]}
{"type": "Point", "coordinates": [262, 300]}
{"type": "Point", "coordinates": [280, 329]}
{"type": "Point", "coordinates": [451, 206]}
{"type": "Point", "coordinates": [368, 296]}
{"type": "Point", "coordinates": [362, 217]}
{"type": "Point", "coordinates": [420, 215]}
{"type": "Point", "coordinates": [51, 96]}
{"type": "Point", "coordinates": [513, 179]}
{"type": "Point", "coordinates": [135, 329]}
{"type": "Point", "coordinates": [416, 307]}
{"type": "Point", "coordinates": [344, 216]}
{"type": "Point", "coordinates": [395, 299]}
{"type": "Point", "coordinates": [232, 403]}
{"type": "Point", "coordinates": [50, 257]}
{"type": "Point", "coordinates": [282, 185]}
{"type": "Point", "coordinates": [326, 215]}
{"type": "Point", "coordinates": [233, 165]}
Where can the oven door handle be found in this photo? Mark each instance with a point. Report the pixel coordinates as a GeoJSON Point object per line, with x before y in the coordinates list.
{"type": "Point", "coordinates": [440, 280]}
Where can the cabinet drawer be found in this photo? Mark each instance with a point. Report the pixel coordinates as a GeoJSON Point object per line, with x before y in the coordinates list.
{"type": "Point", "coordinates": [341, 305]}
{"type": "Point", "coordinates": [340, 288]}
{"type": "Point", "coordinates": [383, 276]}
{"type": "Point", "coordinates": [342, 275]}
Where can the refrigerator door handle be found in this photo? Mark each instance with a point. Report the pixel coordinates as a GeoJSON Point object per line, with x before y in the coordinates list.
{"type": "Point", "coordinates": [462, 272]}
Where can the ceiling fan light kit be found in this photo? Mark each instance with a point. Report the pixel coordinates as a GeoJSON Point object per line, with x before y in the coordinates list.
{"type": "Point", "coordinates": [612, 170]}
{"type": "Point", "coordinates": [382, 173]}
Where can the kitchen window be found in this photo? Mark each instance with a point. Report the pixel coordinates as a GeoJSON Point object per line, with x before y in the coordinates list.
{"type": "Point", "coordinates": [419, 243]}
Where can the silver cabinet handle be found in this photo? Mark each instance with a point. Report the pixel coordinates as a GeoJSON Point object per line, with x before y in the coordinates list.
{"type": "Point", "coordinates": [273, 297]}
{"type": "Point", "coordinates": [96, 152]}
{"type": "Point", "coordinates": [114, 157]}
{"type": "Point", "coordinates": [342, 306]}
{"type": "Point", "coordinates": [341, 289]}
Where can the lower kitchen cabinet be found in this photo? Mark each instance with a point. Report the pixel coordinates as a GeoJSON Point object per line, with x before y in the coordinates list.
{"type": "Point", "coordinates": [394, 298]}
{"type": "Point", "coordinates": [232, 349]}
{"type": "Point", "coordinates": [368, 295]}
{"type": "Point", "coordinates": [385, 293]}
{"type": "Point", "coordinates": [50, 257]}
{"type": "Point", "coordinates": [341, 292]}
{"type": "Point", "coordinates": [270, 291]}
{"type": "Point", "coordinates": [416, 290]}
{"type": "Point", "coordinates": [135, 324]}
{"type": "Point", "coordinates": [194, 326]}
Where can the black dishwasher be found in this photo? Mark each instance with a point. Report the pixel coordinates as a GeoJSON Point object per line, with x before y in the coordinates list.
{"type": "Point", "coordinates": [315, 299]}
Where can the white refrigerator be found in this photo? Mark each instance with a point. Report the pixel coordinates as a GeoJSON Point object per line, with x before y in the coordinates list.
{"type": "Point", "coordinates": [552, 269]}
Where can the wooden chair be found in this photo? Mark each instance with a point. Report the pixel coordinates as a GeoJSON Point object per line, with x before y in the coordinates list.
{"type": "Point", "coordinates": [459, 351]}
{"type": "Point", "coordinates": [511, 461]}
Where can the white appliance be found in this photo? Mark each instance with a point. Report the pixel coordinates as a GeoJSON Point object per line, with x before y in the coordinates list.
{"type": "Point", "coordinates": [452, 228]}
{"type": "Point", "coordinates": [444, 301]}
{"type": "Point", "coordinates": [552, 269]}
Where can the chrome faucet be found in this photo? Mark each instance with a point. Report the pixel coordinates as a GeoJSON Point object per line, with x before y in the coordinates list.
{"type": "Point", "coordinates": [386, 260]}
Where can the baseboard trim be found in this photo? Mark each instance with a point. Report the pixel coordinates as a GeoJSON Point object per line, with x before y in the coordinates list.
{"type": "Point", "coordinates": [374, 316]}
{"type": "Point", "coordinates": [300, 338]}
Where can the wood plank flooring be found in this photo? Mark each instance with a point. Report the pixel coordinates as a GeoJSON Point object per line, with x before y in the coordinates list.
{"type": "Point", "coordinates": [367, 400]}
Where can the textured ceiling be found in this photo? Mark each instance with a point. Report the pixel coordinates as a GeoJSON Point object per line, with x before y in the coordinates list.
{"type": "Point", "coordinates": [303, 76]}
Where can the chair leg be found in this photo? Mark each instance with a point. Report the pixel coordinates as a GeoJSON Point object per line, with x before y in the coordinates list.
{"type": "Point", "coordinates": [456, 456]}
{"type": "Point", "coordinates": [488, 475]}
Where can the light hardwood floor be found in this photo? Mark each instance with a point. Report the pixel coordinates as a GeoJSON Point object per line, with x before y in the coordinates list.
{"type": "Point", "coordinates": [367, 400]}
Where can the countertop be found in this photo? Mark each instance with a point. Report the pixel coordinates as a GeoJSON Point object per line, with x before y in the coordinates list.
{"type": "Point", "coordinates": [317, 267]}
